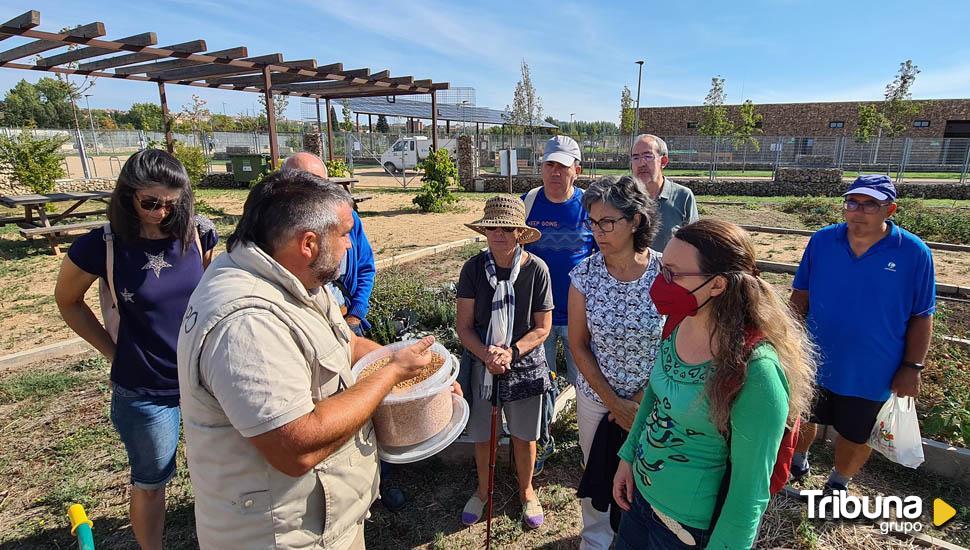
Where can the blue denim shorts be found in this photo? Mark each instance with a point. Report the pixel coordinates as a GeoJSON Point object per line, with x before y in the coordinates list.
{"type": "Point", "coordinates": [149, 428]}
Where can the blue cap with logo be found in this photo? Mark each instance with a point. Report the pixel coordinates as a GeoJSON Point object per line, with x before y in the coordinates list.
{"type": "Point", "coordinates": [877, 186]}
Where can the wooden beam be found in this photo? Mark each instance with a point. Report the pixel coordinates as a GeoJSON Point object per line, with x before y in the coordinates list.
{"type": "Point", "coordinates": [330, 122]}
{"type": "Point", "coordinates": [434, 121]}
{"type": "Point", "coordinates": [274, 147]}
{"type": "Point", "coordinates": [227, 54]}
{"type": "Point", "coordinates": [201, 71]}
{"type": "Point", "coordinates": [280, 78]}
{"type": "Point", "coordinates": [143, 39]}
{"type": "Point", "coordinates": [376, 80]}
{"type": "Point", "coordinates": [91, 30]}
{"type": "Point", "coordinates": [26, 20]}
{"type": "Point", "coordinates": [166, 119]}
{"type": "Point", "coordinates": [193, 46]}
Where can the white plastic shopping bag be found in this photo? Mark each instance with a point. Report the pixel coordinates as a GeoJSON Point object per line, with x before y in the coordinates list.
{"type": "Point", "coordinates": [896, 433]}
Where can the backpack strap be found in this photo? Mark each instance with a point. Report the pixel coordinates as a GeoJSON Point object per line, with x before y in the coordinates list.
{"type": "Point", "coordinates": [109, 261]}
{"type": "Point", "coordinates": [530, 199]}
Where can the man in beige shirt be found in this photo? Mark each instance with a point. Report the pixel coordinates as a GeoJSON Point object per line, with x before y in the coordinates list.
{"type": "Point", "coordinates": [281, 450]}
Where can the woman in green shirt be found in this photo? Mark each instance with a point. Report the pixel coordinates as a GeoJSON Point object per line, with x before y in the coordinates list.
{"type": "Point", "coordinates": [711, 401]}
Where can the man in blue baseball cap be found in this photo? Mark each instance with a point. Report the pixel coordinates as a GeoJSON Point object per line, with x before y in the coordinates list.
{"type": "Point", "coordinates": [867, 290]}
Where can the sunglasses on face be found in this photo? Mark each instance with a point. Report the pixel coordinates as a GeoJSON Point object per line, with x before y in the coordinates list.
{"type": "Point", "coordinates": [151, 204]}
{"type": "Point", "coordinates": [605, 225]}
{"type": "Point", "coordinates": [869, 207]}
{"type": "Point", "coordinates": [503, 229]}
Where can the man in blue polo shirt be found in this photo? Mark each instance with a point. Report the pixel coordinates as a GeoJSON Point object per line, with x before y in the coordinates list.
{"type": "Point", "coordinates": [556, 209]}
{"type": "Point", "coordinates": [867, 291]}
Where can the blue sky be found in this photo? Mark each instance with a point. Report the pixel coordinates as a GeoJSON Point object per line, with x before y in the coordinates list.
{"type": "Point", "coordinates": [581, 53]}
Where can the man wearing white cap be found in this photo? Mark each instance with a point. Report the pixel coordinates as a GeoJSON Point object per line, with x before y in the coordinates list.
{"type": "Point", "coordinates": [557, 210]}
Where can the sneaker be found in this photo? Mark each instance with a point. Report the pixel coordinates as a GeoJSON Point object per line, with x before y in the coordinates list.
{"type": "Point", "coordinates": [831, 487]}
{"type": "Point", "coordinates": [797, 473]}
{"type": "Point", "coordinates": [473, 511]}
{"type": "Point", "coordinates": [532, 514]}
{"type": "Point", "coordinates": [542, 455]}
{"type": "Point", "coordinates": [393, 497]}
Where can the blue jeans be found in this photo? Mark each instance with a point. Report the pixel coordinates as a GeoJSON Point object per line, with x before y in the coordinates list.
{"type": "Point", "coordinates": [640, 528]}
{"type": "Point", "coordinates": [149, 428]}
{"type": "Point", "coordinates": [557, 333]}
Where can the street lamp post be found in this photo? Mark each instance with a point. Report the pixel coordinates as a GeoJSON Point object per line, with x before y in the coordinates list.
{"type": "Point", "coordinates": [97, 148]}
{"type": "Point", "coordinates": [636, 113]}
{"type": "Point", "coordinates": [571, 121]}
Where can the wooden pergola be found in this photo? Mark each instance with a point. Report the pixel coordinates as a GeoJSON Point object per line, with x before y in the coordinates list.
{"type": "Point", "coordinates": [190, 64]}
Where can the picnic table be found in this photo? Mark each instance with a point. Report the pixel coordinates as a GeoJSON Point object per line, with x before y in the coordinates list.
{"type": "Point", "coordinates": [348, 185]}
{"type": "Point", "coordinates": [37, 222]}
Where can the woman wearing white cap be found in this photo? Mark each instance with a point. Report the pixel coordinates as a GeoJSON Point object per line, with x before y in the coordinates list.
{"type": "Point", "coordinates": [504, 315]}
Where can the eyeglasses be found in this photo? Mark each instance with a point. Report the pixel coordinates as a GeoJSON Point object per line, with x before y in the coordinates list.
{"type": "Point", "coordinates": [869, 207]}
{"type": "Point", "coordinates": [645, 156]}
{"type": "Point", "coordinates": [669, 275]}
{"type": "Point", "coordinates": [504, 229]}
{"type": "Point", "coordinates": [605, 225]}
{"type": "Point", "coordinates": [151, 204]}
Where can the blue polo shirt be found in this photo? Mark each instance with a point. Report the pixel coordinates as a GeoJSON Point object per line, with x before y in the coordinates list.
{"type": "Point", "coordinates": [859, 307]}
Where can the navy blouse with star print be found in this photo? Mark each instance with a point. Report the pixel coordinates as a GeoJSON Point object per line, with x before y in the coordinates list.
{"type": "Point", "coordinates": [153, 282]}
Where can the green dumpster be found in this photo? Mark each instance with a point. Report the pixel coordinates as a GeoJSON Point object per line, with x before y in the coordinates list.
{"type": "Point", "coordinates": [248, 167]}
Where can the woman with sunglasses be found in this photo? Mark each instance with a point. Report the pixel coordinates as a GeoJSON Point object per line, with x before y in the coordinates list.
{"type": "Point", "coordinates": [614, 331]}
{"type": "Point", "coordinates": [734, 369]}
{"type": "Point", "coordinates": [504, 315]}
{"type": "Point", "coordinates": [159, 249]}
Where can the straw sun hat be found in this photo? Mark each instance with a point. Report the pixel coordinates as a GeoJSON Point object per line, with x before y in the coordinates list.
{"type": "Point", "coordinates": [506, 211]}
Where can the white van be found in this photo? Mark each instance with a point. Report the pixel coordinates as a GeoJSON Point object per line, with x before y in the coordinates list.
{"type": "Point", "coordinates": [408, 152]}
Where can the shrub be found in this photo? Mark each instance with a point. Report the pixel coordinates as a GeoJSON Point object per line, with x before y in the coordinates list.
{"type": "Point", "coordinates": [34, 162]}
{"type": "Point", "coordinates": [194, 161]}
{"type": "Point", "coordinates": [402, 306]}
{"type": "Point", "coordinates": [933, 224]}
{"type": "Point", "coordinates": [337, 168]}
{"type": "Point", "coordinates": [439, 174]}
{"type": "Point", "coordinates": [814, 212]}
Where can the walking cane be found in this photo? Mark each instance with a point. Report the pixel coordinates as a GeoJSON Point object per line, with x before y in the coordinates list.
{"type": "Point", "coordinates": [492, 451]}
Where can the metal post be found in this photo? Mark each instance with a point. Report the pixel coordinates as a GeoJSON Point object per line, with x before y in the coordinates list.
{"type": "Point", "coordinates": [329, 132]}
{"type": "Point", "coordinates": [166, 119]}
{"type": "Point", "coordinates": [636, 115]}
{"type": "Point", "coordinates": [907, 149]}
{"type": "Point", "coordinates": [84, 157]}
{"type": "Point", "coordinates": [966, 163]}
{"type": "Point", "coordinates": [434, 120]}
{"type": "Point", "coordinates": [274, 147]}
{"type": "Point", "coordinates": [97, 148]}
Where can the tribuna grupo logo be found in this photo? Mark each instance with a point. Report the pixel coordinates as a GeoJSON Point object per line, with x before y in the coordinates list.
{"type": "Point", "coordinates": [894, 514]}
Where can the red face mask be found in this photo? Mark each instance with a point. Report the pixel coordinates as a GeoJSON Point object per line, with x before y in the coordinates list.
{"type": "Point", "coordinates": [675, 301]}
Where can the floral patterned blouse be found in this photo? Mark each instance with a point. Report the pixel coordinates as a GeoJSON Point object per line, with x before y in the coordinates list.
{"type": "Point", "coordinates": [623, 324]}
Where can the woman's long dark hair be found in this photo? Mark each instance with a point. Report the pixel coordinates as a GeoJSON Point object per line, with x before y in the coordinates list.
{"type": "Point", "coordinates": [145, 169]}
{"type": "Point", "coordinates": [748, 302]}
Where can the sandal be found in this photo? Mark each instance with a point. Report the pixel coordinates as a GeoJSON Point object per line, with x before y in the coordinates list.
{"type": "Point", "coordinates": [532, 514]}
{"type": "Point", "coordinates": [473, 511]}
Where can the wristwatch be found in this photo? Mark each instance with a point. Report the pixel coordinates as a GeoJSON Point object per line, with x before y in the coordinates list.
{"type": "Point", "coordinates": [912, 365]}
{"type": "Point", "coordinates": [515, 354]}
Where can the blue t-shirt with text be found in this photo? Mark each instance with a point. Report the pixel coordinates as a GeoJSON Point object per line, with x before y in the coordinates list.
{"type": "Point", "coordinates": [859, 307]}
{"type": "Point", "coordinates": [153, 281]}
{"type": "Point", "coordinates": [565, 242]}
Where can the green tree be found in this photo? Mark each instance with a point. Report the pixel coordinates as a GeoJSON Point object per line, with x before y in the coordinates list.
{"type": "Point", "coordinates": [34, 162]}
{"type": "Point", "coordinates": [526, 107]}
{"type": "Point", "coordinates": [715, 120]}
{"type": "Point", "coordinates": [747, 128]}
{"type": "Point", "coordinates": [899, 109]}
{"type": "Point", "coordinates": [382, 125]}
{"type": "Point", "coordinates": [144, 116]}
{"type": "Point", "coordinates": [46, 104]}
{"type": "Point", "coordinates": [439, 173]}
{"type": "Point", "coordinates": [869, 121]}
{"type": "Point", "coordinates": [195, 115]}
{"type": "Point", "coordinates": [627, 112]}
{"type": "Point", "coordinates": [280, 103]}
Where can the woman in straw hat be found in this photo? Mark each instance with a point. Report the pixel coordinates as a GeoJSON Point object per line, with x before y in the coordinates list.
{"type": "Point", "coordinates": [504, 315]}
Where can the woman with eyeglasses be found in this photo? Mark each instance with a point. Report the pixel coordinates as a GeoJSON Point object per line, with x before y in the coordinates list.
{"type": "Point", "coordinates": [614, 331]}
{"type": "Point", "coordinates": [734, 369]}
{"type": "Point", "coordinates": [150, 256]}
{"type": "Point", "coordinates": [504, 315]}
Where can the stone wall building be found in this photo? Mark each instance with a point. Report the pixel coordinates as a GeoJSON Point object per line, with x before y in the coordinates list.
{"type": "Point", "coordinates": [938, 118]}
